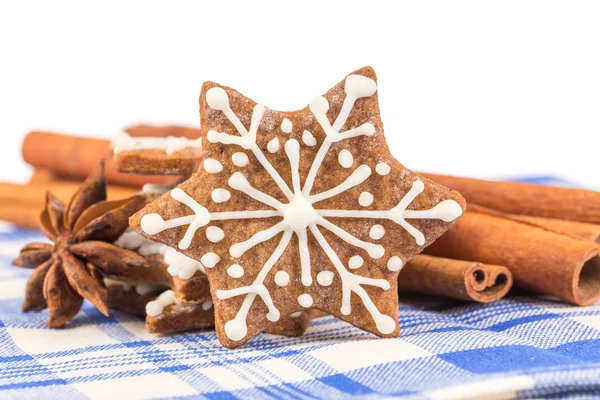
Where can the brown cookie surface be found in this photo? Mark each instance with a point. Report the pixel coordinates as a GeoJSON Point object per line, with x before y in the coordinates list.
{"type": "Point", "coordinates": [156, 155]}
{"type": "Point", "coordinates": [188, 303]}
{"type": "Point", "coordinates": [302, 209]}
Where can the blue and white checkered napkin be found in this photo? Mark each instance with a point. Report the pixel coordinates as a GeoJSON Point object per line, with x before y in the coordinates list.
{"type": "Point", "coordinates": [517, 347]}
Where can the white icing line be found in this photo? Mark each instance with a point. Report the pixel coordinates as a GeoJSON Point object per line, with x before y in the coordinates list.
{"type": "Point", "coordinates": [156, 307]}
{"type": "Point", "coordinates": [132, 240]}
{"type": "Point", "coordinates": [218, 99]}
{"type": "Point", "coordinates": [238, 249]}
{"type": "Point", "coordinates": [374, 250]}
{"type": "Point", "coordinates": [236, 329]}
{"type": "Point", "coordinates": [356, 86]}
{"type": "Point", "coordinates": [169, 145]}
{"type": "Point", "coordinates": [292, 150]}
{"type": "Point", "coordinates": [447, 210]}
{"type": "Point", "coordinates": [153, 188]}
{"type": "Point", "coordinates": [366, 129]}
{"type": "Point", "coordinates": [312, 174]}
{"type": "Point", "coordinates": [180, 265]}
{"type": "Point", "coordinates": [248, 142]}
{"type": "Point", "coordinates": [352, 283]}
{"type": "Point", "coordinates": [358, 176]}
{"type": "Point", "coordinates": [239, 182]}
{"type": "Point", "coordinates": [219, 216]}
{"type": "Point", "coordinates": [154, 223]}
{"type": "Point", "coordinates": [304, 257]}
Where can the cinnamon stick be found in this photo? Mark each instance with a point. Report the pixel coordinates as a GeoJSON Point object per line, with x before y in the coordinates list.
{"type": "Point", "coordinates": [527, 199]}
{"type": "Point", "coordinates": [456, 279]}
{"type": "Point", "coordinates": [143, 130]}
{"type": "Point", "coordinates": [42, 176]}
{"type": "Point", "coordinates": [582, 230]}
{"type": "Point", "coordinates": [22, 204]}
{"type": "Point", "coordinates": [23, 215]}
{"type": "Point", "coordinates": [540, 260]}
{"type": "Point", "coordinates": [76, 157]}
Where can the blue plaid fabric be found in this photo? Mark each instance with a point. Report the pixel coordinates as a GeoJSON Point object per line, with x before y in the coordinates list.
{"type": "Point", "coordinates": [521, 347]}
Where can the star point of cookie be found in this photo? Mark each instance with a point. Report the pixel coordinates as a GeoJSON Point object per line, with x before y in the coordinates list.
{"type": "Point", "coordinates": [317, 212]}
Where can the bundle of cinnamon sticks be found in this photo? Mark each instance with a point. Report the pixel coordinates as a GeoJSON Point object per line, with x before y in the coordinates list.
{"type": "Point", "coordinates": [545, 239]}
{"type": "Point", "coordinates": [61, 162]}
{"type": "Point", "coordinates": [548, 237]}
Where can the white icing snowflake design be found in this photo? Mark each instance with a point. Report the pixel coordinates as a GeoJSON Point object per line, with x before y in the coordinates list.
{"type": "Point", "coordinates": [299, 215]}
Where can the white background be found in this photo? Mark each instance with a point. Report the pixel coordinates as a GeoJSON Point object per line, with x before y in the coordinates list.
{"type": "Point", "coordinates": [487, 89]}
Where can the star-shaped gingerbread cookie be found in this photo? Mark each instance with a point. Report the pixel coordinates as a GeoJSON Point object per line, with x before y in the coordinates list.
{"type": "Point", "coordinates": [298, 210]}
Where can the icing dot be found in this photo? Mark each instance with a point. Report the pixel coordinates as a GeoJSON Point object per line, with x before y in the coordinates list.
{"type": "Point", "coordinates": [212, 136]}
{"type": "Point", "coordinates": [359, 86]}
{"type": "Point", "coordinates": [273, 316]}
{"type": "Point", "coordinates": [220, 195]}
{"type": "Point", "coordinates": [345, 158]}
{"type": "Point", "coordinates": [286, 125]}
{"type": "Point", "coordinates": [181, 265]}
{"type": "Point", "coordinates": [240, 159]}
{"type": "Point", "coordinates": [217, 98]}
{"type": "Point", "coordinates": [282, 278]}
{"type": "Point", "coordinates": [156, 307]}
{"type": "Point", "coordinates": [447, 210]}
{"type": "Point", "coordinates": [235, 271]}
{"type": "Point", "coordinates": [236, 329]}
{"type": "Point", "coordinates": [207, 305]}
{"type": "Point", "coordinates": [319, 105]}
{"type": "Point", "coordinates": [355, 262]}
{"type": "Point", "coordinates": [144, 289]}
{"type": "Point", "coordinates": [305, 300]}
{"type": "Point", "coordinates": [296, 314]}
{"type": "Point", "coordinates": [324, 278]}
{"type": "Point", "coordinates": [394, 264]}
{"type": "Point", "coordinates": [382, 169]}
{"type": "Point", "coordinates": [152, 223]}
{"type": "Point", "coordinates": [308, 139]}
{"type": "Point", "coordinates": [273, 145]}
{"type": "Point", "coordinates": [385, 324]}
{"type": "Point", "coordinates": [365, 199]}
{"type": "Point", "coordinates": [377, 231]}
{"type": "Point", "coordinates": [214, 234]}
{"type": "Point", "coordinates": [212, 166]}
{"type": "Point", "coordinates": [209, 260]}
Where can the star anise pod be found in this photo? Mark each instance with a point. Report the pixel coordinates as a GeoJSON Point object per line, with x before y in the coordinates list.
{"type": "Point", "coordinates": [72, 267]}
